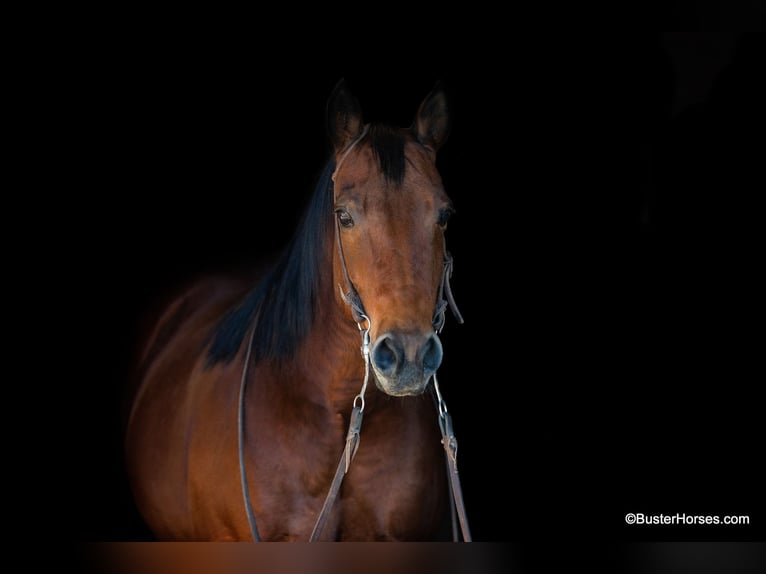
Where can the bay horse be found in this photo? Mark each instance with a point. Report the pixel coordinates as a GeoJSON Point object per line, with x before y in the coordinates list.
{"type": "Point", "coordinates": [249, 390]}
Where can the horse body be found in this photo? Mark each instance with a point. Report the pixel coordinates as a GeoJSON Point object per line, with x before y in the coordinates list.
{"type": "Point", "coordinates": [182, 436]}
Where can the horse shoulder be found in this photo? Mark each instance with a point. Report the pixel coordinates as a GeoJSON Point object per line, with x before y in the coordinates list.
{"type": "Point", "coordinates": [173, 389]}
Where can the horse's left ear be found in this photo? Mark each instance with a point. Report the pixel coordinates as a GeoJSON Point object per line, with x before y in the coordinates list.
{"type": "Point", "coordinates": [344, 116]}
{"type": "Point", "coordinates": [432, 121]}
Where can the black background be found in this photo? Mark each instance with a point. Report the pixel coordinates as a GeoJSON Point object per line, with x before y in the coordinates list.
{"type": "Point", "coordinates": [605, 248]}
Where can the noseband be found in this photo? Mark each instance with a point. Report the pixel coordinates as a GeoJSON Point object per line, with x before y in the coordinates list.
{"type": "Point", "coordinates": [354, 301]}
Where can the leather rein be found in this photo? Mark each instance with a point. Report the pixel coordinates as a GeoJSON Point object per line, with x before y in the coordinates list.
{"type": "Point", "coordinates": [449, 442]}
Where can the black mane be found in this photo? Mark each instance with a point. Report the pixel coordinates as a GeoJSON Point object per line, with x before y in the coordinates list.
{"type": "Point", "coordinates": [284, 300]}
{"type": "Point", "coordinates": [283, 304]}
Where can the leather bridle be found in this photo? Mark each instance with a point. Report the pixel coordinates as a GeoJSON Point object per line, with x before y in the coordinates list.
{"type": "Point", "coordinates": [351, 297]}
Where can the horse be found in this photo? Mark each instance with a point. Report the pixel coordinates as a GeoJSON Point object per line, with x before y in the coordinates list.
{"type": "Point", "coordinates": [249, 389]}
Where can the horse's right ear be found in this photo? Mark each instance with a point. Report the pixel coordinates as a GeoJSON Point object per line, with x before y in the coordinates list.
{"type": "Point", "coordinates": [432, 122]}
{"type": "Point", "coordinates": [344, 116]}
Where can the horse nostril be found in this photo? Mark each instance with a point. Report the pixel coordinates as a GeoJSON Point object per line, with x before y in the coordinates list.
{"type": "Point", "coordinates": [432, 354]}
{"type": "Point", "coordinates": [386, 354]}
{"type": "Point", "coordinates": [397, 354]}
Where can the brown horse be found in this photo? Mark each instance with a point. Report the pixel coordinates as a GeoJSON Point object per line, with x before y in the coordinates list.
{"type": "Point", "coordinates": [247, 387]}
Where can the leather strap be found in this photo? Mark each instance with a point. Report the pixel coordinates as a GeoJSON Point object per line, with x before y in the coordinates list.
{"type": "Point", "coordinates": [456, 492]}
{"type": "Point", "coordinates": [352, 444]}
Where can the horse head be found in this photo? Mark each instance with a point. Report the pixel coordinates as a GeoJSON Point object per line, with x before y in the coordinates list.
{"type": "Point", "coordinates": [391, 213]}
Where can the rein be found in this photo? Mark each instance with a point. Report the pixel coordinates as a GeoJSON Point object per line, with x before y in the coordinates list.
{"type": "Point", "coordinates": [351, 297]}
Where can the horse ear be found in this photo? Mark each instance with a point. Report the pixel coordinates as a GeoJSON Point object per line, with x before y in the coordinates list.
{"type": "Point", "coordinates": [344, 116]}
{"type": "Point", "coordinates": [432, 121]}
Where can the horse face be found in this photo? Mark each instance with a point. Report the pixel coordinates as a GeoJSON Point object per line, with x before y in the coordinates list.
{"type": "Point", "coordinates": [392, 212]}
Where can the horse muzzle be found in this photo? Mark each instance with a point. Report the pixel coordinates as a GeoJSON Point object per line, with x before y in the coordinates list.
{"type": "Point", "coordinates": [404, 362]}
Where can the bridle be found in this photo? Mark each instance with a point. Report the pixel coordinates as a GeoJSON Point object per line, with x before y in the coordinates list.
{"type": "Point", "coordinates": [351, 297]}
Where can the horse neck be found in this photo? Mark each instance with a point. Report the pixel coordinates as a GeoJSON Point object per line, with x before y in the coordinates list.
{"type": "Point", "coordinates": [331, 361]}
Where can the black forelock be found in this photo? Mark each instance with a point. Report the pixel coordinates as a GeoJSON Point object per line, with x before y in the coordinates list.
{"type": "Point", "coordinates": [388, 146]}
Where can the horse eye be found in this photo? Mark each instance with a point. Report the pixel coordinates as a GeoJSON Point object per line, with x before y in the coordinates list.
{"type": "Point", "coordinates": [344, 218]}
{"type": "Point", "coordinates": [443, 218]}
